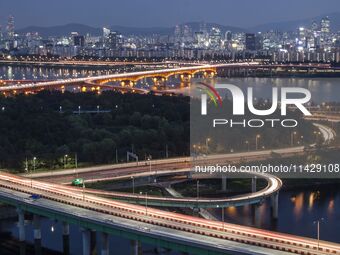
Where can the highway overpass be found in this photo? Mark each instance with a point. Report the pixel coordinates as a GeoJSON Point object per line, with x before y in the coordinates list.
{"type": "Point", "coordinates": [166, 229]}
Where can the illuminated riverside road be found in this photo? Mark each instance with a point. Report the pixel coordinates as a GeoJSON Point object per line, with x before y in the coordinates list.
{"type": "Point", "coordinates": [327, 133]}
{"type": "Point", "coordinates": [178, 225]}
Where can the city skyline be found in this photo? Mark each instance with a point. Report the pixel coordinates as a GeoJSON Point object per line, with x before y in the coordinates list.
{"type": "Point", "coordinates": [314, 41]}
{"type": "Point", "coordinates": [148, 13]}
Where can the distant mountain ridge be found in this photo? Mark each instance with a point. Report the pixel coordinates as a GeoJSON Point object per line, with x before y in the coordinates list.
{"type": "Point", "coordinates": [84, 29]}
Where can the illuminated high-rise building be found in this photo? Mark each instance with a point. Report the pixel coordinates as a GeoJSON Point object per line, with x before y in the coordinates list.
{"type": "Point", "coordinates": [325, 26]}
{"type": "Point", "coordinates": [199, 38]}
{"type": "Point", "coordinates": [215, 37]}
{"type": "Point", "coordinates": [250, 42]}
{"type": "Point", "coordinates": [79, 40]}
{"type": "Point", "coordinates": [177, 31]}
{"type": "Point", "coordinates": [228, 36]}
{"type": "Point", "coordinates": [259, 41]}
{"type": "Point", "coordinates": [302, 33]}
{"type": "Point", "coordinates": [10, 27]}
{"type": "Point", "coordinates": [106, 32]}
{"type": "Point", "coordinates": [112, 40]}
{"type": "Point", "coordinates": [187, 33]}
{"type": "Point", "coordinates": [315, 26]}
{"type": "Point", "coordinates": [115, 40]}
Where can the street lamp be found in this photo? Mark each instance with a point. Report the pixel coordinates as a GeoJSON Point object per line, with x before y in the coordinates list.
{"type": "Point", "coordinates": [257, 141]}
{"type": "Point", "coordinates": [292, 136]}
{"type": "Point", "coordinates": [133, 184]}
{"type": "Point", "coordinates": [194, 147]}
{"type": "Point", "coordinates": [222, 216]}
{"type": "Point", "coordinates": [34, 159]}
{"type": "Point", "coordinates": [149, 159]}
{"type": "Point", "coordinates": [317, 222]}
{"type": "Point", "coordinates": [65, 160]}
{"type": "Point", "coordinates": [79, 107]}
{"type": "Point", "coordinates": [76, 160]}
{"type": "Point", "coordinates": [26, 165]}
{"type": "Point", "coordinates": [247, 143]}
{"type": "Point", "coordinates": [207, 140]}
{"type": "Point", "coordinates": [146, 202]}
{"type": "Point", "coordinates": [83, 190]}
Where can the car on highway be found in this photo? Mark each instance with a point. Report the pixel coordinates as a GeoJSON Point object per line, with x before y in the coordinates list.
{"type": "Point", "coordinates": [35, 196]}
{"type": "Point", "coordinates": [78, 182]}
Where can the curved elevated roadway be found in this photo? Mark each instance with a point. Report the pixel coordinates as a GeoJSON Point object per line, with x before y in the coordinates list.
{"type": "Point", "coordinates": [178, 224]}
{"type": "Point", "coordinates": [274, 184]}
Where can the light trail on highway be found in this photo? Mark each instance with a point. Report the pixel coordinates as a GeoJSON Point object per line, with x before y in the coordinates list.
{"type": "Point", "coordinates": [112, 172]}
{"type": "Point", "coordinates": [219, 230]}
{"type": "Point", "coordinates": [274, 184]}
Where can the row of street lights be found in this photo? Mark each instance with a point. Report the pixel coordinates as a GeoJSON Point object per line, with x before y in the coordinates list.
{"type": "Point", "coordinates": [208, 140]}
{"type": "Point", "coordinates": [26, 164]}
{"type": "Point", "coordinates": [65, 159]}
{"type": "Point", "coordinates": [257, 141]}
{"type": "Point", "coordinates": [32, 171]}
{"type": "Point", "coordinates": [79, 108]}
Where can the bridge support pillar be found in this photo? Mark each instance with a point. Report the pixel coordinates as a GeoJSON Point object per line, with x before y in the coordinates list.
{"type": "Point", "coordinates": [37, 234]}
{"type": "Point", "coordinates": [186, 77]}
{"type": "Point", "coordinates": [86, 235]}
{"type": "Point", "coordinates": [136, 248]}
{"type": "Point", "coordinates": [253, 184]}
{"type": "Point", "coordinates": [93, 242]}
{"type": "Point", "coordinates": [161, 250]}
{"type": "Point", "coordinates": [66, 229]}
{"type": "Point", "coordinates": [36, 227]}
{"type": "Point", "coordinates": [257, 215]}
{"type": "Point", "coordinates": [224, 183]}
{"type": "Point", "coordinates": [275, 205]}
{"type": "Point", "coordinates": [66, 239]}
{"type": "Point", "coordinates": [21, 224]}
{"type": "Point", "coordinates": [105, 243]}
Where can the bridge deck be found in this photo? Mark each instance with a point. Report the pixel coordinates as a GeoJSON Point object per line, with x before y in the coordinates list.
{"type": "Point", "coordinates": [144, 232]}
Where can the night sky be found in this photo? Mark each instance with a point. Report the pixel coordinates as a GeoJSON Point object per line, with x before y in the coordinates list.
{"type": "Point", "coordinates": [153, 13]}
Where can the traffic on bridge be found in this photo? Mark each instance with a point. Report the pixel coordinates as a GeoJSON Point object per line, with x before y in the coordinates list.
{"type": "Point", "coordinates": [218, 230]}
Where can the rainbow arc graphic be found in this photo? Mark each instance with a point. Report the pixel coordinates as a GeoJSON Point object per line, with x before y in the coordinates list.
{"type": "Point", "coordinates": [211, 92]}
